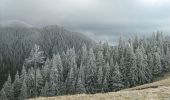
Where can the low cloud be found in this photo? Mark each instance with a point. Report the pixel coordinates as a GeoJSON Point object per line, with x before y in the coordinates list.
{"type": "Point", "coordinates": [104, 19]}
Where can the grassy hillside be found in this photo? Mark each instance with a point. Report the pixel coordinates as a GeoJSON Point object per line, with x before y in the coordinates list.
{"type": "Point", "coordinates": [163, 80]}
{"type": "Point", "coordinates": [158, 90]}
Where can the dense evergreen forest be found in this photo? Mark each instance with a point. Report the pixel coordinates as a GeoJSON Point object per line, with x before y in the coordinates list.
{"type": "Point", "coordinates": [16, 43]}
{"type": "Point", "coordinates": [57, 65]}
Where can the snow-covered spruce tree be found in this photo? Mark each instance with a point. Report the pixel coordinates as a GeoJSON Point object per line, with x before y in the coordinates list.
{"type": "Point", "coordinates": [3, 95]}
{"type": "Point", "coordinates": [36, 56]}
{"type": "Point", "coordinates": [100, 62]}
{"type": "Point", "coordinates": [100, 79]}
{"type": "Point", "coordinates": [23, 93]}
{"type": "Point", "coordinates": [39, 82]}
{"type": "Point", "coordinates": [23, 75]}
{"type": "Point", "coordinates": [8, 88]}
{"type": "Point", "coordinates": [1, 58]}
{"type": "Point", "coordinates": [97, 47]}
{"type": "Point", "coordinates": [17, 86]}
{"type": "Point", "coordinates": [83, 58]}
{"type": "Point", "coordinates": [150, 65]}
{"type": "Point", "coordinates": [107, 79]}
{"type": "Point", "coordinates": [116, 77]}
{"type": "Point", "coordinates": [159, 40]}
{"type": "Point", "coordinates": [30, 81]}
{"type": "Point", "coordinates": [65, 64]}
{"type": "Point", "coordinates": [56, 75]}
{"type": "Point", "coordinates": [70, 61]}
{"type": "Point", "coordinates": [167, 59]}
{"type": "Point", "coordinates": [142, 67]}
{"type": "Point", "coordinates": [91, 72]}
{"type": "Point", "coordinates": [136, 42]}
{"type": "Point", "coordinates": [109, 73]}
{"type": "Point", "coordinates": [120, 48]}
{"type": "Point", "coordinates": [71, 78]}
{"type": "Point", "coordinates": [111, 64]}
{"type": "Point", "coordinates": [106, 51]}
{"type": "Point", "coordinates": [71, 82]}
{"type": "Point", "coordinates": [83, 55]}
{"type": "Point", "coordinates": [57, 63]}
{"type": "Point", "coordinates": [35, 59]}
{"type": "Point", "coordinates": [157, 69]}
{"type": "Point", "coordinates": [80, 85]}
{"type": "Point", "coordinates": [147, 68]}
{"type": "Point", "coordinates": [130, 64]}
{"type": "Point", "coordinates": [115, 54]}
{"type": "Point", "coordinates": [122, 68]}
{"type": "Point", "coordinates": [45, 91]}
{"type": "Point", "coordinates": [134, 71]}
{"type": "Point", "coordinates": [46, 71]}
{"type": "Point", "coordinates": [105, 85]}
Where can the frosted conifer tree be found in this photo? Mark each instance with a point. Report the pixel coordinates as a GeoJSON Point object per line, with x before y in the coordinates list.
{"type": "Point", "coordinates": [23, 93]}
{"type": "Point", "coordinates": [136, 42]}
{"type": "Point", "coordinates": [91, 72]}
{"type": "Point", "coordinates": [80, 85]}
{"type": "Point", "coordinates": [120, 48]}
{"type": "Point", "coordinates": [116, 78]}
{"type": "Point", "coordinates": [107, 78]}
{"type": "Point", "coordinates": [71, 81]}
{"type": "Point", "coordinates": [167, 59]}
{"type": "Point", "coordinates": [72, 74]}
{"type": "Point", "coordinates": [57, 65]}
{"type": "Point", "coordinates": [65, 64]}
{"type": "Point", "coordinates": [36, 57]}
{"type": "Point", "coordinates": [17, 86]}
{"type": "Point", "coordinates": [83, 55]}
{"type": "Point", "coordinates": [142, 66]}
{"type": "Point", "coordinates": [106, 51]}
{"type": "Point", "coordinates": [122, 68]}
{"type": "Point", "coordinates": [8, 88]}
{"type": "Point", "coordinates": [55, 74]}
{"type": "Point", "coordinates": [130, 63]}
{"type": "Point", "coordinates": [3, 95]}
{"type": "Point", "coordinates": [100, 62]}
{"type": "Point", "coordinates": [105, 85]}
{"type": "Point", "coordinates": [46, 70]}
{"type": "Point", "coordinates": [45, 90]}
{"type": "Point", "coordinates": [157, 69]}
{"type": "Point", "coordinates": [30, 81]}
{"type": "Point", "coordinates": [108, 73]}
{"type": "Point", "coordinates": [23, 74]}
{"type": "Point", "coordinates": [39, 82]}
{"type": "Point", "coordinates": [100, 78]}
{"type": "Point", "coordinates": [150, 65]}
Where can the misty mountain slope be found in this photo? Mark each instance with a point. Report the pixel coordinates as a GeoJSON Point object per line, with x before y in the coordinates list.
{"type": "Point", "coordinates": [16, 43]}
{"type": "Point", "coordinates": [15, 23]}
{"type": "Point", "coordinates": [158, 90]}
{"type": "Point", "coordinates": [54, 39]}
{"type": "Point", "coordinates": [54, 70]}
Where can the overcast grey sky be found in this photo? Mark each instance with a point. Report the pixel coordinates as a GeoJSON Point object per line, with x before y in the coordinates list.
{"type": "Point", "coordinates": [104, 19]}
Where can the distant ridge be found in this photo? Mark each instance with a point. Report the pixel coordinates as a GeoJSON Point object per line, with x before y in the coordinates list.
{"type": "Point", "coordinates": [15, 23]}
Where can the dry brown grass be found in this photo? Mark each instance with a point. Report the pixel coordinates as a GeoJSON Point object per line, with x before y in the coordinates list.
{"type": "Point", "coordinates": [160, 81]}
{"type": "Point", "coordinates": [159, 90]}
{"type": "Point", "coordinates": [161, 93]}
